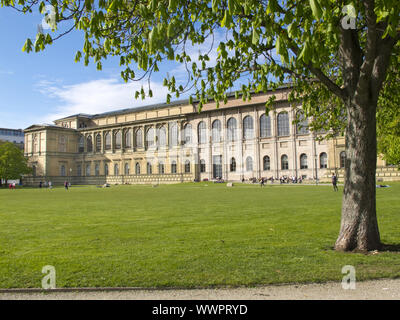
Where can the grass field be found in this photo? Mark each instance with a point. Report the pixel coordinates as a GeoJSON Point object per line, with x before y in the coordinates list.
{"type": "Point", "coordinates": [184, 235]}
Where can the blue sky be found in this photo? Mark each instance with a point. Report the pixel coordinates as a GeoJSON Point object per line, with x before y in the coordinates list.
{"type": "Point", "coordinates": [41, 87]}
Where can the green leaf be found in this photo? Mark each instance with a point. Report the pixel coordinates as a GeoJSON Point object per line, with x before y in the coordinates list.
{"type": "Point", "coordinates": [316, 9]}
{"type": "Point", "coordinates": [255, 36]}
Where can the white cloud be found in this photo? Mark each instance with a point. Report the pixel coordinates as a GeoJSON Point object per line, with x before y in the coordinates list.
{"type": "Point", "coordinates": [96, 96]}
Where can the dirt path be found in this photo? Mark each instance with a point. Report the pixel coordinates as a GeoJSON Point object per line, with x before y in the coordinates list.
{"type": "Point", "coordinates": [368, 290]}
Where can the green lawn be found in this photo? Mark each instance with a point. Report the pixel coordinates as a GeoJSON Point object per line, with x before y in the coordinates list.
{"type": "Point", "coordinates": [185, 235]}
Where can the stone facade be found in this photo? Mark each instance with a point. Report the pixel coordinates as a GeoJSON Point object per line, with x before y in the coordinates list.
{"type": "Point", "coordinates": [171, 143]}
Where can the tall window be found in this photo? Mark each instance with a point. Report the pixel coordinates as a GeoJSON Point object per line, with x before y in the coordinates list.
{"type": "Point", "coordinates": [162, 137]}
{"type": "Point", "coordinates": [343, 159]}
{"type": "Point", "coordinates": [232, 165]}
{"type": "Point", "coordinates": [248, 128]}
{"type": "Point", "coordinates": [187, 166]}
{"type": "Point", "coordinates": [161, 167]}
{"type": "Point", "coordinates": [89, 144]}
{"type": "Point", "coordinates": [188, 133]}
{"type": "Point", "coordinates": [173, 166]}
{"type": "Point", "coordinates": [303, 161]}
{"type": "Point", "coordinates": [265, 126]}
{"type": "Point", "coordinates": [284, 162]}
{"type": "Point", "coordinates": [149, 168]}
{"type": "Point", "coordinates": [283, 124]}
{"type": "Point", "coordinates": [232, 129]}
{"type": "Point", "coordinates": [116, 169]}
{"type": "Point", "coordinates": [201, 131]}
{"type": "Point", "coordinates": [139, 138]}
{"type": "Point", "coordinates": [150, 137]}
{"type": "Point", "coordinates": [106, 169]}
{"type": "Point", "coordinates": [81, 145]}
{"type": "Point", "coordinates": [137, 168]}
{"type": "Point", "coordinates": [118, 139]}
{"type": "Point", "coordinates": [98, 142]}
{"type": "Point", "coordinates": [249, 164]}
{"type": "Point", "coordinates": [96, 169]}
{"type": "Point", "coordinates": [87, 170]}
{"type": "Point", "coordinates": [35, 144]}
{"type": "Point", "coordinates": [126, 169]}
{"type": "Point", "coordinates": [78, 170]}
{"type": "Point", "coordinates": [173, 134]}
{"type": "Point", "coordinates": [302, 125]}
{"type": "Point", "coordinates": [323, 160]}
{"type": "Point", "coordinates": [62, 171]}
{"type": "Point", "coordinates": [202, 166]}
{"type": "Point", "coordinates": [216, 131]}
{"type": "Point", "coordinates": [128, 138]}
{"type": "Point", "coordinates": [266, 163]}
{"type": "Point", "coordinates": [107, 139]}
{"type": "Point", "coordinates": [34, 171]}
{"type": "Point", "coordinates": [62, 144]}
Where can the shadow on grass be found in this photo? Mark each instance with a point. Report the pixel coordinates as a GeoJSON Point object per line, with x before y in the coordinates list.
{"type": "Point", "coordinates": [392, 247]}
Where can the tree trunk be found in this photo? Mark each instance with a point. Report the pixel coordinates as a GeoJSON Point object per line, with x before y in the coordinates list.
{"type": "Point", "coordinates": [359, 227]}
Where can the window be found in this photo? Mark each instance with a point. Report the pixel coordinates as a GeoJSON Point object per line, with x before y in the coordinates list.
{"type": "Point", "coordinates": [232, 165]}
{"type": "Point", "coordinates": [88, 169]}
{"type": "Point", "coordinates": [78, 170]}
{"type": "Point", "coordinates": [323, 160]}
{"type": "Point", "coordinates": [302, 125]}
{"type": "Point", "coordinates": [160, 167]}
{"type": "Point", "coordinates": [303, 161]}
{"type": "Point", "coordinates": [128, 138]}
{"type": "Point", "coordinates": [97, 169]}
{"type": "Point", "coordinates": [188, 133]}
{"type": "Point", "coordinates": [81, 145]}
{"type": "Point", "coordinates": [248, 127]}
{"type": "Point", "coordinates": [62, 171]}
{"type": "Point", "coordinates": [149, 168]}
{"type": "Point", "coordinates": [62, 144]}
{"type": "Point", "coordinates": [201, 131]}
{"type": "Point", "coordinates": [98, 143]}
{"type": "Point", "coordinates": [116, 169]}
{"type": "Point", "coordinates": [118, 140]}
{"type": "Point", "coordinates": [266, 163]}
{"type": "Point", "coordinates": [137, 168]}
{"type": "Point", "coordinates": [202, 166]}
{"type": "Point", "coordinates": [283, 124]}
{"type": "Point", "coordinates": [126, 169]}
{"type": "Point", "coordinates": [216, 131]}
{"type": "Point", "coordinates": [35, 144]}
{"type": "Point", "coordinates": [89, 144]}
{"type": "Point", "coordinates": [173, 134]}
{"type": "Point", "coordinates": [249, 164]}
{"type": "Point", "coordinates": [265, 126]}
{"type": "Point", "coordinates": [107, 139]}
{"type": "Point", "coordinates": [150, 137]}
{"type": "Point", "coordinates": [162, 137]}
{"type": "Point", "coordinates": [34, 171]}
{"type": "Point", "coordinates": [173, 166]}
{"type": "Point", "coordinates": [343, 159]}
{"type": "Point", "coordinates": [232, 129]}
{"type": "Point", "coordinates": [187, 166]}
{"type": "Point", "coordinates": [106, 169]}
{"type": "Point", "coordinates": [139, 138]}
{"type": "Point", "coordinates": [284, 162]}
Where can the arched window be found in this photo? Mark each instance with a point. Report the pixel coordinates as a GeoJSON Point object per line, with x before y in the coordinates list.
{"type": "Point", "coordinates": [302, 125]}
{"type": "Point", "coordinates": [173, 166]}
{"type": "Point", "coordinates": [106, 169]}
{"type": "Point", "coordinates": [107, 139]}
{"type": "Point", "coordinates": [149, 168]}
{"type": "Point", "coordinates": [266, 163]}
{"type": "Point", "coordinates": [139, 138]}
{"type": "Point", "coordinates": [303, 161]}
{"type": "Point", "coordinates": [137, 168]}
{"type": "Point", "coordinates": [201, 131]}
{"type": "Point", "coordinates": [343, 159]}
{"type": "Point", "coordinates": [126, 169]}
{"type": "Point", "coordinates": [216, 131]}
{"type": "Point", "coordinates": [98, 142]}
{"type": "Point", "coordinates": [202, 166]}
{"type": "Point", "coordinates": [265, 126]}
{"type": "Point", "coordinates": [96, 169]}
{"type": "Point", "coordinates": [150, 137]}
{"type": "Point", "coordinates": [284, 162]}
{"type": "Point", "coordinates": [81, 145]}
{"type": "Point", "coordinates": [232, 165]}
{"type": "Point", "coordinates": [116, 169]}
{"type": "Point", "coordinates": [160, 167]}
{"type": "Point", "coordinates": [283, 124]}
{"type": "Point", "coordinates": [188, 133]}
{"type": "Point", "coordinates": [173, 134]}
{"type": "Point", "coordinates": [89, 144]}
{"type": "Point", "coordinates": [118, 139]}
{"type": "Point", "coordinates": [162, 137]}
{"type": "Point", "coordinates": [187, 166]}
{"type": "Point", "coordinates": [87, 170]}
{"type": "Point", "coordinates": [323, 160]}
{"type": "Point", "coordinates": [232, 129]}
{"type": "Point", "coordinates": [248, 128]}
{"type": "Point", "coordinates": [249, 164]}
{"type": "Point", "coordinates": [78, 170]}
{"type": "Point", "coordinates": [128, 138]}
{"type": "Point", "coordinates": [62, 171]}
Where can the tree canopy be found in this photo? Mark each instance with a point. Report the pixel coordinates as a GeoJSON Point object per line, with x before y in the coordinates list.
{"type": "Point", "coordinates": [13, 164]}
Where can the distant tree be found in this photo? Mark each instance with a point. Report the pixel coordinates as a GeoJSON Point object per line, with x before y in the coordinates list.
{"type": "Point", "coordinates": [13, 164]}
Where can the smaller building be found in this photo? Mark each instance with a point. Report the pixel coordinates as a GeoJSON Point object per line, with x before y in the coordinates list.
{"type": "Point", "coordinates": [15, 136]}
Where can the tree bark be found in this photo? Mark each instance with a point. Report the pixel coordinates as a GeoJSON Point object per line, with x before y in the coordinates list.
{"type": "Point", "coordinates": [359, 228]}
